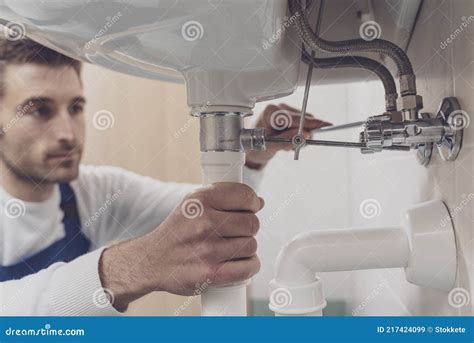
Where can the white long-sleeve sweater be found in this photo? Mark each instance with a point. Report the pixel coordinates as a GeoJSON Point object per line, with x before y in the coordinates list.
{"type": "Point", "coordinates": [114, 204]}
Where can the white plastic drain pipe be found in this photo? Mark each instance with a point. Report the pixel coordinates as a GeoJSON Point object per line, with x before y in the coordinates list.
{"type": "Point", "coordinates": [424, 245]}
{"type": "Point", "coordinates": [224, 166]}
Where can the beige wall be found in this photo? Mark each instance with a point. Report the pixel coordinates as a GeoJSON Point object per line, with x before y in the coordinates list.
{"type": "Point", "coordinates": [147, 115]}
{"type": "Point", "coordinates": [152, 134]}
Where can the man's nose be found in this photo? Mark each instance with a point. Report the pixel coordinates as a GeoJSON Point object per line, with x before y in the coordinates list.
{"type": "Point", "coordinates": [64, 128]}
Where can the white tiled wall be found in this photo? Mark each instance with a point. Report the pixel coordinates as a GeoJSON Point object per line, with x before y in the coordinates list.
{"type": "Point", "coordinates": [326, 187]}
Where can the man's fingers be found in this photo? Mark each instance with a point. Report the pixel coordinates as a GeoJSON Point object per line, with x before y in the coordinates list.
{"type": "Point", "coordinates": [293, 115]}
{"type": "Point", "coordinates": [235, 224]}
{"type": "Point", "coordinates": [227, 249]}
{"type": "Point", "coordinates": [298, 112]}
{"type": "Point", "coordinates": [237, 270]}
{"type": "Point", "coordinates": [230, 196]}
{"type": "Point", "coordinates": [309, 122]}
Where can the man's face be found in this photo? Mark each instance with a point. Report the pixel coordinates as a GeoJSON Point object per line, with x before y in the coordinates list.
{"type": "Point", "coordinates": [42, 122]}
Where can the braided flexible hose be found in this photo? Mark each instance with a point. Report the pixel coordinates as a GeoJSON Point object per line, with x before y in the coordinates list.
{"type": "Point", "coordinates": [364, 63]}
{"type": "Point", "coordinates": [313, 42]}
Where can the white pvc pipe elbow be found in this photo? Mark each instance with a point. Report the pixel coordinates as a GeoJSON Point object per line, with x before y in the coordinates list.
{"type": "Point", "coordinates": [341, 249]}
{"type": "Point", "coordinates": [423, 243]}
{"type": "Point", "coordinates": [297, 290]}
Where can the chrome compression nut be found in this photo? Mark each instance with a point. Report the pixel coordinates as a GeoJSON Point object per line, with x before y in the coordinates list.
{"type": "Point", "coordinates": [409, 102]}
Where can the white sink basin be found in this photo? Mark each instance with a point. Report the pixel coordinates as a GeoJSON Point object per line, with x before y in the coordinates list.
{"type": "Point", "coordinates": [229, 52]}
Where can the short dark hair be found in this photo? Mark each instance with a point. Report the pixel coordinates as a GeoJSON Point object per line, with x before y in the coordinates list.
{"type": "Point", "coordinates": [25, 50]}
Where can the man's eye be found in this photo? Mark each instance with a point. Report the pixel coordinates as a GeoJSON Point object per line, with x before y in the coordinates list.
{"type": "Point", "coordinates": [41, 112]}
{"type": "Point", "coordinates": [76, 109]}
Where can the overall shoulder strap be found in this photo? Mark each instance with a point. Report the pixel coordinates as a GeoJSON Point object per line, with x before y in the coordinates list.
{"type": "Point", "coordinates": [74, 243]}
